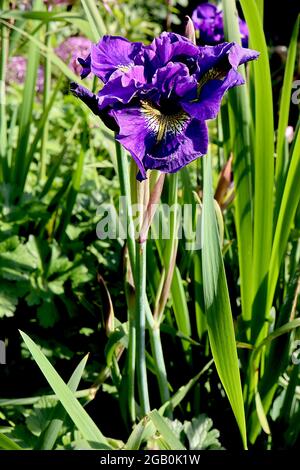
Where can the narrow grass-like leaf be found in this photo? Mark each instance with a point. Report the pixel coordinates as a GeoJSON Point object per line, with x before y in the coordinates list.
{"type": "Point", "coordinates": [44, 50]}
{"type": "Point", "coordinates": [217, 304]}
{"type": "Point", "coordinates": [54, 16]}
{"type": "Point", "coordinates": [288, 327]}
{"type": "Point", "coordinates": [46, 98]}
{"type": "Point", "coordinates": [25, 118]}
{"type": "Point", "coordinates": [278, 332]}
{"type": "Point", "coordinates": [172, 331]}
{"type": "Point", "coordinates": [48, 437]}
{"type": "Point", "coordinates": [56, 165]}
{"type": "Point", "coordinates": [159, 364]}
{"type": "Point", "coordinates": [165, 431]}
{"type": "Point", "coordinates": [277, 359]}
{"type": "Point", "coordinates": [12, 130]}
{"type": "Point", "coordinates": [288, 207]}
{"type": "Point", "coordinates": [40, 15]}
{"type": "Point", "coordinates": [39, 133]}
{"type": "Point", "coordinates": [198, 296]}
{"type": "Point", "coordinates": [76, 412]}
{"type": "Point", "coordinates": [240, 130]}
{"type": "Point", "coordinates": [171, 242]}
{"type": "Point", "coordinates": [72, 195]}
{"type": "Point", "coordinates": [264, 168]}
{"type": "Point", "coordinates": [32, 400]}
{"type": "Point", "coordinates": [136, 437]}
{"type": "Point", "coordinates": [284, 109]}
{"type": "Point", "coordinates": [260, 7]}
{"type": "Point", "coordinates": [261, 414]}
{"type": "Point", "coordinates": [96, 23]}
{"type": "Point", "coordinates": [180, 306]}
{"type": "Point", "coordinates": [290, 393]}
{"type": "Point", "coordinates": [8, 444]}
{"type": "Point", "coordinates": [181, 393]}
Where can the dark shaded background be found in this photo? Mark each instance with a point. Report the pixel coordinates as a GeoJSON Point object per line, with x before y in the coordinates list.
{"type": "Point", "coordinates": [279, 19]}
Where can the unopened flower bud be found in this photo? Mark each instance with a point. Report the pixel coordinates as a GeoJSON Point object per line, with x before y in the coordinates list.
{"type": "Point", "coordinates": [189, 30]}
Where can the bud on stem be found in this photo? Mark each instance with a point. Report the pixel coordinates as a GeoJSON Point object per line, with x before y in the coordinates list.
{"type": "Point", "coordinates": [189, 30]}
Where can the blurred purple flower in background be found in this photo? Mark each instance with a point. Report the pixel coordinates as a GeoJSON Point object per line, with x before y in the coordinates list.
{"type": "Point", "coordinates": [72, 48]}
{"type": "Point", "coordinates": [16, 72]}
{"type": "Point", "coordinates": [28, 4]}
{"type": "Point", "coordinates": [68, 51]}
{"type": "Point", "coordinates": [208, 20]}
{"type": "Point", "coordinates": [59, 2]}
{"type": "Point", "coordinates": [158, 97]}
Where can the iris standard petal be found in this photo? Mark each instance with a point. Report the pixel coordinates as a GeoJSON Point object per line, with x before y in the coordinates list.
{"type": "Point", "coordinates": [238, 55]}
{"type": "Point", "coordinates": [210, 56]}
{"type": "Point", "coordinates": [114, 53]}
{"type": "Point", "coordinates": [122, 86]}
{"type": "Point", "coordinates": [221, 58]}
{"type": "Point", "coordinates": [174, 80]}
{"type": "Point", "coordinates": [170, 47]}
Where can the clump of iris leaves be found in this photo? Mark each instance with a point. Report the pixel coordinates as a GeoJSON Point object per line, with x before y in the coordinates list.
{"type": "Point", "coordinates": [60, 167]}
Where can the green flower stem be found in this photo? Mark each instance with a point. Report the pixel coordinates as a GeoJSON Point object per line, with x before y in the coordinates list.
{"type": "Point", "coordinates": [122, 163]}
{"type": "Point", "coordinates": [157, 353]}
{"type": "Point", "coordinates": [140, 287]}
{"type": "Point", "coordinates": [172, 200]}
{"type": "Point", "coordinates": [153, 327]}
{"type": "Point", "coordinates": [153, 323]}
{"type": "Point", "coordinates": [131, 366]}
{"type": "Point", "coordinates": [124, 178]}
{"type": "Point", "coordinates": [154, 187]}
{"type": "Point", "coordinates": [160, 367]}
{"type": "Point", "coordinates": [136, 342]}
{"type": "Point", "coordinates": [140, 290]}
{"type": "Point", "coordinates": [131, 357]}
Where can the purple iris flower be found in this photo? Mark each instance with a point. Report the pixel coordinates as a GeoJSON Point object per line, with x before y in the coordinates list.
{"type": "Point", "coordinates": [209, 21]}
{"type": "Point", "coordinates": [158, 97]}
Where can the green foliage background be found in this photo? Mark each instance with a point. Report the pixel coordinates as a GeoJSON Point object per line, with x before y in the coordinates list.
{"type": "Point", "coordinates": [237, 301]}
